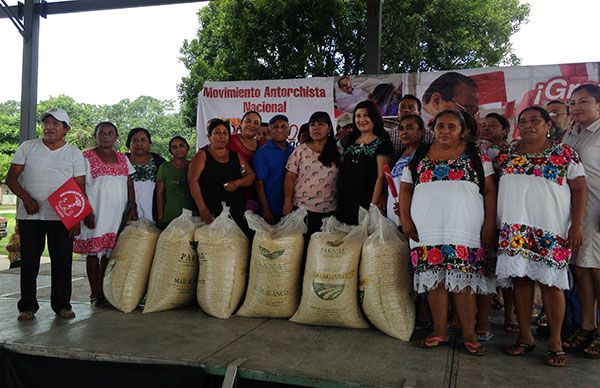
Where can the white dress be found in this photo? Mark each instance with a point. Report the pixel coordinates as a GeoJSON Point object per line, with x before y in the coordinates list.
{"type": "Point", "coordinates": [587, 144]}
{"type": "Point", "coordinates": [448, 212]}
{"type": "Point", "coordinates": [534, 214]}
{"type": "Point", "coordinates": [106, 189]}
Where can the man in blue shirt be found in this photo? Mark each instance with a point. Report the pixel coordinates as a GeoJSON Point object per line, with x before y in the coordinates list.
{"type": "Point", "coordinates": [269, 165]}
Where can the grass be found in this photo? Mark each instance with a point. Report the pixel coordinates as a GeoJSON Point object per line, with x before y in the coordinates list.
{"type": "Point", "coordinates": [8, 212]}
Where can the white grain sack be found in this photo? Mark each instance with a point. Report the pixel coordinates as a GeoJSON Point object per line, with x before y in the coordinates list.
{"type": "Point", "coordinates": [384, 278]}
{"type": "Point", "coordinates": [174, 271]}
{"type": "Point", "coordinates": [223, 256]}
{"type": "Point", "coordinates": [330, 287]}
{"type": "Point", "coordinates": [127, 272]}
{"type": "Point", "coordinates": [275, 266]}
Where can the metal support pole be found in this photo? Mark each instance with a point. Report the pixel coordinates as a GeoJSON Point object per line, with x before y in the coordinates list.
{"type": "Point", "coordinates": [373, 52]}
{"type": "Point", "coordinates": [29, 76]}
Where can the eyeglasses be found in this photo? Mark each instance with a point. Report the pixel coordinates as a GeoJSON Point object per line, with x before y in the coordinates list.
{"type": "Point", "coordinates": [473, 110]}
{"type": "Point", "coordinates": [554, 114]}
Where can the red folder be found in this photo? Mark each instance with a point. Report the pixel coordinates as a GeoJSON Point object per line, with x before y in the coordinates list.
{"type": "Point", "coordinates": [70, 204]}
{"type": "Point", "coordinates": [390, 181]}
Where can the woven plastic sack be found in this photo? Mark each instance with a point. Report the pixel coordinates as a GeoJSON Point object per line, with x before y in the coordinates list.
{"type": "Point", "coordinates": [223, 256]}
{"type": "Point", "coordinates": [384, 279]}
{"type": "Point", "coordinates": [330, 287]}
{"type": "Point", "coordinates": [127, 272]}
{"type": "Point", "coordinates": [174, 271]}
{"type": "Point", "coordinates": [275, 266]}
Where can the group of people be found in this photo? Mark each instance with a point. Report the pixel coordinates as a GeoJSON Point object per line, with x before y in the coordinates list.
{"type": "Point", "coordinates": [482, 213]}
{"type": "Point", "coordinates": [479, 212]}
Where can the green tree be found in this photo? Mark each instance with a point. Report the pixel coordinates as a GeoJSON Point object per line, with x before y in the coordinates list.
{"type": "Point", "coordinates": [9, 134]}
{"type": "Point", "coordinates": [272, 39]}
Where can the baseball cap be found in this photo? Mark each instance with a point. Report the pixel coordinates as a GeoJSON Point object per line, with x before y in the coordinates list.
{"type": "Point", "coordinates": [344, 119]}
{"type": "Point", "coordinates": [278, 117]}
{"type": "Point", "coordinates": [57, 113]}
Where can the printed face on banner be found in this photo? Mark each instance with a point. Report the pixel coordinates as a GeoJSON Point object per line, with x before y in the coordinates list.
{"type": "Point", "coordinates": [559, 112]}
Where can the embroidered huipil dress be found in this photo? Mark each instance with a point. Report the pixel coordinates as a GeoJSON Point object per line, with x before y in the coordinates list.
{"type": "Point", "coordinates": [534, 213]}
{"type": "Point", "coordinates": [447, 210]}
{"type": "Point", "coordinates": [106, 189]}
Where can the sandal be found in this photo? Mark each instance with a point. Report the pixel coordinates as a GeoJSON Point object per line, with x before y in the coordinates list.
{"type": "Point", "coordinates": [542, 320]}
{"type": "Point", "coordinates": [593, 349]}
{"type": "Point", "coordinates": [475, 348]}
{"type": "Point", "coordinates": [520, 348]}
{"type": "Point", "coordinates": [511, 327]}
{"type": "Point", "coordinates": [579, 340]}
{"type": "Point", "coordinates": [484, 335]}
{"type": "Point", "coordinates": [556, 358]}
{"type": "Point", "coordinates": [431, 342]}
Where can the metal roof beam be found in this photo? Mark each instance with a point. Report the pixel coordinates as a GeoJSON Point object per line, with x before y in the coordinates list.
{"type": "Point", "coordinates": [62, 7]}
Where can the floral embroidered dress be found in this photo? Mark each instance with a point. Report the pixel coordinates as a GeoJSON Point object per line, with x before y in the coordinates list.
{"type": "Point", "coordinates": [106, 189]}
{"type": "Point", "coordinates": [534, 213]}
{"type": "Point", "coordinates": [448, 212]}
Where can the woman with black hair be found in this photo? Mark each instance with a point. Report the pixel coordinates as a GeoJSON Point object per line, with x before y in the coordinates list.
{"type": "Point", "coordinates": [495, 129]}
{"type": "Point", "coordinates": [585, 139]}
{"type": "Point", "coordinates": [312, 173]}
{"type": "Point", "coordinates": [172, 191]}
{"type": "Point", "coordinates": [448, 211]}
{"type": "Point", "coordinates": [369, 149]}
{"type": "Point", "coordinates": [109, 188]}
{"type": "Point", "coordinates": [216, 175]}
{"type": "Point", "coordinates": [146, 166]}
{"type": "Point", "coordinates": [541, 206]}
{"type": "Point", "coordinates": [245, 145]}
{"type": "Point", "coordinates": [410, 132]}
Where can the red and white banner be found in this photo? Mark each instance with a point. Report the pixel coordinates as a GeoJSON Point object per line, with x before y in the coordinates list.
{"type": "Point", "coordinates": [504, 90]}
{"type": "Point", "coordinates": [69, 203]}
{"type": "Point", "coordinates": [295, 98]}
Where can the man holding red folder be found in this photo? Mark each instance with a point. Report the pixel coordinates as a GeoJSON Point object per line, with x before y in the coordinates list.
{"type": "Point", "coordinates": [39, 167]}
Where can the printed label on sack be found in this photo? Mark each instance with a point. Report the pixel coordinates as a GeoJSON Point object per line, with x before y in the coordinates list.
{"type": "Point", "coordinates": [270, 255]}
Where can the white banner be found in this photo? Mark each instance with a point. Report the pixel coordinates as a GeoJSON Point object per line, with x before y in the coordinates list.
{"type": "Point", "coordinates": [295, 98]}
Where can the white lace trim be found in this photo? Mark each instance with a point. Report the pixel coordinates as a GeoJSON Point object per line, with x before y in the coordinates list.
{"type": "Point", "coordinates": [454, 281]}
{"type": "Point", "coordinates": [504, 282]}
{"type": "Point", "coordinates": [518, 267]}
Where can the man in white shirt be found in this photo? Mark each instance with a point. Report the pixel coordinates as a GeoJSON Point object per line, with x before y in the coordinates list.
{"type": "Point", "coordinates": [38, 168]}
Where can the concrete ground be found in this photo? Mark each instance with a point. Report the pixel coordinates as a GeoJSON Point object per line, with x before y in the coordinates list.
{"type": "Point", "coordinates": [276, 350]}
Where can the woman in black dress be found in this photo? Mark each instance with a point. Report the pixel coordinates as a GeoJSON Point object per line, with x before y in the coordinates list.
{"type": "Point", "coordinates": [369, 149]}
{"type": "Point", "coordinates": [217, 175]}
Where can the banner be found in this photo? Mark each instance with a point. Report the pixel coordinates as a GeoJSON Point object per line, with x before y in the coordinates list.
{"type": "Point", "coordinates": [69, 203]}
{"type": "Point", "coordinates": [504, 90]}
{"type": "Point", "coordinates": [295, 98]}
